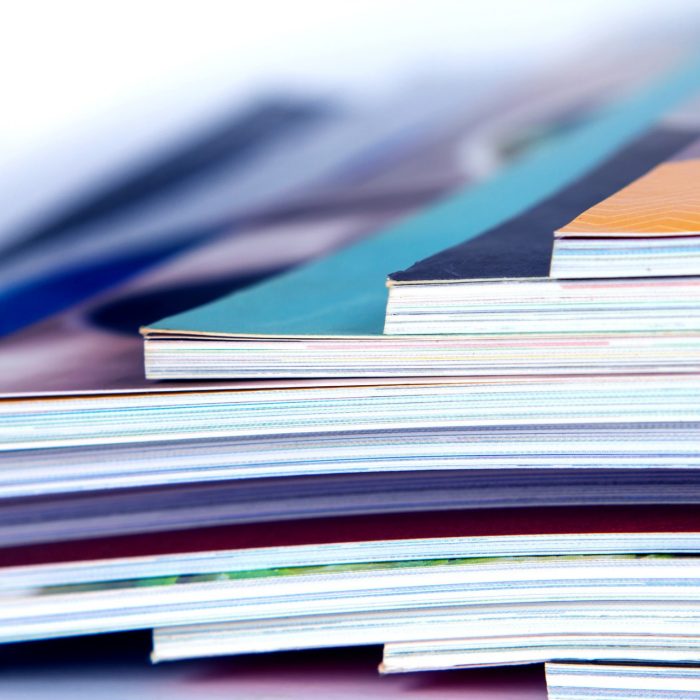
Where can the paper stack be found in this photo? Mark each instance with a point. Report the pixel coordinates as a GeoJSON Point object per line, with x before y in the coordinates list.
{"type": "Point", "coordinates": [504, 473]}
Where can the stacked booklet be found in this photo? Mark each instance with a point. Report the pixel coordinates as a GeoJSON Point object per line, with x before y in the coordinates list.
{"type": "Point", "coordinates": [566, 681]}
{"type": "Point", "coordinates": [489, 298]}
{"type": "Point", "coordinates": [648, 229]}
{"type": "Point", "coordinates": [494, 284]}
{"type": "Point", "coordinates": [498, 466]}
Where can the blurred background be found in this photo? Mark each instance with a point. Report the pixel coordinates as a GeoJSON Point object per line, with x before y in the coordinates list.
{"type": "Point", "coordinates": [132, 131]}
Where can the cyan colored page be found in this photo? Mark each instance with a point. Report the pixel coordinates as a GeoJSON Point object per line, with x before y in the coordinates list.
{"type": "Point", "coordinates": [345, 293]}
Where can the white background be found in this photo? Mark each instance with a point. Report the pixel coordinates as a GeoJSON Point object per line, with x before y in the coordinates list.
{"type": "Point", "coordinates": [87, 86]}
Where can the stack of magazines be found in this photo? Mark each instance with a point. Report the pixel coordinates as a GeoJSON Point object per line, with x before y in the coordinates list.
{"type": "Point", "coordinates": [498, 465]}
